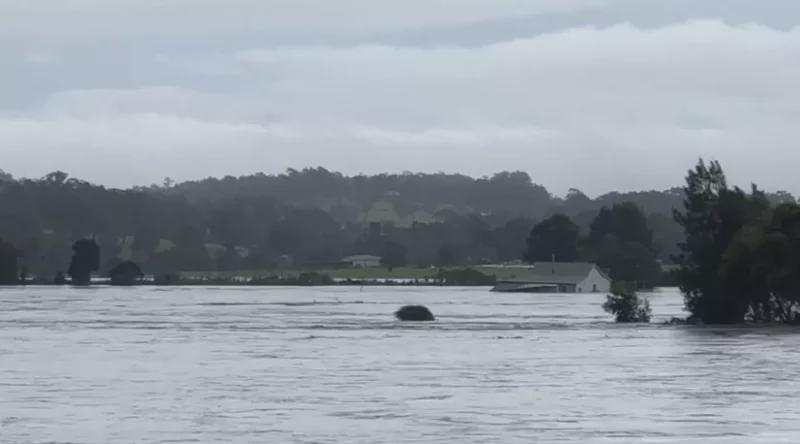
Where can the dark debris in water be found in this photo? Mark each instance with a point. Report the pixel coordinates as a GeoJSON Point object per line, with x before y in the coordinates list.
{"type": "Point", "coordinates": [414, 313]}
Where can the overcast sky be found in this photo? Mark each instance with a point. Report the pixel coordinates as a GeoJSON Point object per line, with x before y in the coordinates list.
{"type": "Point", "coordinates": [592, 94]}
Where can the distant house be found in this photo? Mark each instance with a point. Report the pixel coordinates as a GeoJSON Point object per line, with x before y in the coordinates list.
{"type": "Point", "coordinates": [554, 277]}
{"type": "Point", "coordinates": [362, 261]}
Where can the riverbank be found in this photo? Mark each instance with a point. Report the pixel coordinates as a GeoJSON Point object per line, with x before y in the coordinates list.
{"type": "Point", "coordinates": [357, 274]}
{"type": "Point", "coordinates": [375, 276]}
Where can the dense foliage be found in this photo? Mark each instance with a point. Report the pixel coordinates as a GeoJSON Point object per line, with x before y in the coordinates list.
{"type": "Point", "coordinates": [741, 257]}
{"type": "Point", "coordinates": [126, 273]}
{"type": "Point", "coordinates": [555, 238]}
{"type": "Point", "coordinates": [85, 261]}
{"type": "Point", "coordinates": [9, 256]}
{"type": "Point", "coordinates": [620, 241]}
{"type": "Point", "coordinates": [627, 306]}
{"type": "Point", "coordinates": [302, 218]}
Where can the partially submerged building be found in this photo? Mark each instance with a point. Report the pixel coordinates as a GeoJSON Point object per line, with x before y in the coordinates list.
{"type": "Point", "coordinates": [552, 277]}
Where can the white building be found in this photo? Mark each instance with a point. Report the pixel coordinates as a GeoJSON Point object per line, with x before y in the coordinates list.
{"type": "Point", "coordinates": [555, 277]}
{"type": "Point", "coordinates": [362, 261]}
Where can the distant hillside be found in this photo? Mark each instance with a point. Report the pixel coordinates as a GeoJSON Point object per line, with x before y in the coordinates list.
{"type": "Point", "coordinates": [311, 216]}
{"type": "Point", "coordinates": [498, 198]}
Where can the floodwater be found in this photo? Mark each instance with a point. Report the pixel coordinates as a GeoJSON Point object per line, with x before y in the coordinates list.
{"type": "Point", "coordinates": [330, 365]}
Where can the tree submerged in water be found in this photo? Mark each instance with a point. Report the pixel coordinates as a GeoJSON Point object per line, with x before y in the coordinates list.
{"type": "Point", "coordinates": [8, 263]}
{"type": "Point", "coordinates": [741, 258]}
{"type": "Point", "coordinates": [85, 260]}
{"type": "Point", "coordinates": [414, 313]}
{"type": "Point", "coordinates": [627, 306]}
{"type": "Point", "coordinates": [126, 273]}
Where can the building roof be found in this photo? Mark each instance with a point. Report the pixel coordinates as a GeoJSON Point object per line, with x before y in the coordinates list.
{"type": "Point", "coordinates": [552, 273]}
{"type": "Point", "coordinates": [523, 287]}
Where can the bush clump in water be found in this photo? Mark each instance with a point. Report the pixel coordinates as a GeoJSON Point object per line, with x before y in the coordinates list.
{"type": "Point", "coordinates": [126, 273]}
{"type": "Point", "coordinates": [414, 313]}
{"type": "Point", "coordinates": [627, 306]}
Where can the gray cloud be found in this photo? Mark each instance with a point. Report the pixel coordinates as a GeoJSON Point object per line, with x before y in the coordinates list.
{"type": "Point", "coordinates": [625, 106]}
{"type": "Point", "coordinates": [215, 16]}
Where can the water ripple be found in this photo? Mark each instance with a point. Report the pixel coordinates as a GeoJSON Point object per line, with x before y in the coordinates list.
{"type": "Point", "coordinates": [328, 365]}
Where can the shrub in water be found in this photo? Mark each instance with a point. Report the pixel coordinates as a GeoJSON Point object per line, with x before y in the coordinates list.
{"type": "Point", "coordinates": [414, 313]}
{"type": "Point", "coordinates": [126, 273]}
{"type": "Point", "coordinates": [626, 306]}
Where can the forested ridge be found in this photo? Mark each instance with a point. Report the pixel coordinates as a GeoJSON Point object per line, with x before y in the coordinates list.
{"type": "Point", "coordinates": [304, 217]}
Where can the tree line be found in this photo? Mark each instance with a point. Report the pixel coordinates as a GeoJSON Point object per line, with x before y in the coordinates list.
{"type": "Point", "coordinates": [737, 252]}
{"type": "Point", "coordinates": [298, 218]}
{"type": "Point", "coordinates": [740, 260]}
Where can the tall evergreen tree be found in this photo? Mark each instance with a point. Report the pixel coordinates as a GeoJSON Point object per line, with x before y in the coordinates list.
{"type": "Point", "coordinates": [85, 260]}
{"type": "Point", "coordinates": [713, 214]}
